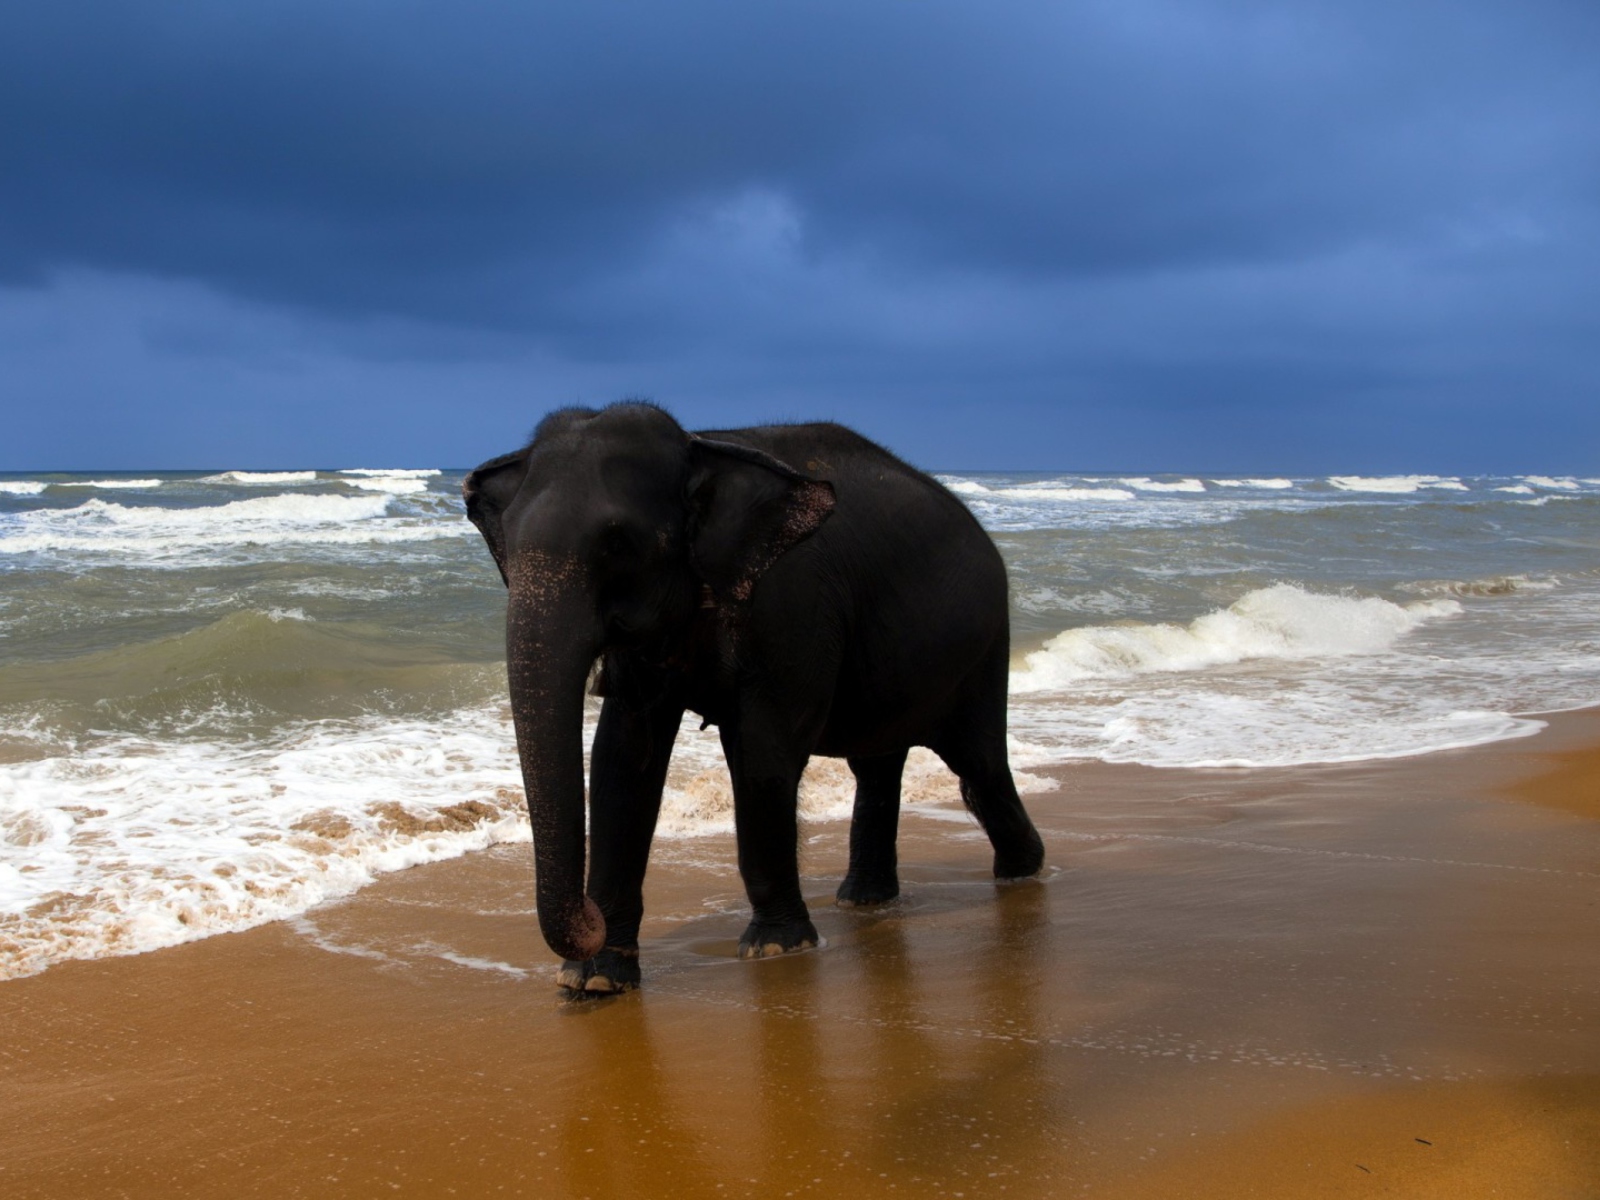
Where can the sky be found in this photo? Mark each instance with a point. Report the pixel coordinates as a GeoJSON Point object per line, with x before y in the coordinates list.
{"type": "Point", "coordinates": [1155, 235]}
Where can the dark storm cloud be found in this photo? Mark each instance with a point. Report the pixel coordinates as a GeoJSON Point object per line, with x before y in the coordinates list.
{"type": "Point", "coordinates": [1171, 205]}
{"type": "Point", "coordinates": [460, 161]}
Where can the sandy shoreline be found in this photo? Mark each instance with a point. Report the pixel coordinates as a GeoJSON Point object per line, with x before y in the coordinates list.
{"type": "Point", "coordinates": [1373, 979]}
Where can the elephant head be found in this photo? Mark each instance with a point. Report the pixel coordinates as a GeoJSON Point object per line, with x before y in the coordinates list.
{"type": "Point", "coordinates": [607, 528]}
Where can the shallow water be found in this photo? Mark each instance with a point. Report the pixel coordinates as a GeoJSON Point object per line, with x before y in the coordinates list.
{"type": "Point", "coordinates": [1227, 983]}
{"type": "Point", "coordinates": [226, 697]}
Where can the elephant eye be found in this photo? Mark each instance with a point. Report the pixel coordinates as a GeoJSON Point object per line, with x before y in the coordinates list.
{"type": "Point", "coordinates": [618, 542]}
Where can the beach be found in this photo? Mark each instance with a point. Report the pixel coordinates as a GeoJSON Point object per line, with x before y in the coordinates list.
{"type": "Point", "coordinates": [1375, 978]}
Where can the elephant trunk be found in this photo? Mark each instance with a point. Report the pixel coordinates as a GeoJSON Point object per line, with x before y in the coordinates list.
{"type": "Point", "coordinates": [552, 639]}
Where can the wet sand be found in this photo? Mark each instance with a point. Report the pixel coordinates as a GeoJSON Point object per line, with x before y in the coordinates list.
{"type": "Point", "coordinates": [1380, 979]}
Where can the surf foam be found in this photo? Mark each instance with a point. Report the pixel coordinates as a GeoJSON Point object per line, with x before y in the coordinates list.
{"type": "Point", "coordinates": [109, 484]}
{"type": "Point", "coordinates": [1038, 491]}
{"type": "Point", "coordinates": [1395, 484]}
{"type": "Point", "coordinates": [1156, 485]}
{"type": "Point", "coordinates": [395, 485]}
{"type": "Point", "coordinates": [1283, 621]}
{"type": "Point", "coordinates": [163, 534]}
{"type": "Point", "coordinates": [133, 844]}
{"type": "Point", "coordinates": [393, 472]}
{"type": "Point", "coordinates": [262, 478]}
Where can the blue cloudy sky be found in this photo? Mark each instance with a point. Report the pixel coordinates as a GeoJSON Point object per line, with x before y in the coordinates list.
{"type": "Point", "coordinates": [1288, 236]}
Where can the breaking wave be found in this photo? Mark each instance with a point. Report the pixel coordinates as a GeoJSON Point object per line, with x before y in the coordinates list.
{"type": "Point", "coordinates": [262, 478]}
{"type": "Point", "coordinates": [1039, 491]}
{"type": "Point", "coordinates": [1395, 484]}
{"type": "Point", "coordinates": [393, 472]}
{"type": "Point", "coordinates": [1173, 485]}
{"type": "Point", "coordinates": [158, 534]}
{"type": "Point", "coordinates": [110, 484]}
{"type": "Point", "coordinates": [1282, 622]}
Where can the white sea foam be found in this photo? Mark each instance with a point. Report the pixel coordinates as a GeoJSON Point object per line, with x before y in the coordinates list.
{"type": "Point", "coordinates": [262, 478]}
{"type": "Point", "coordinates": [1395, 484]}
{"type": "Point", "coordinates": [1283, 622]}
{"type": "Point", "coordinates": [1517, 489]}
{"type": "Point", "coordinates": [394, 485]}
{"type": "Point", "coordinates": [1036, 491]}
{"type": "Point", "coordinates": [1157, 485]}
{"type": "Point", "coordinates": [1494, 585]}
{"type": "Point", "coordinates": [1274, 484]}
{"type": "Point", "coordinates": [21, 487]}
{"type": "Point", "coordinates": [393, 472]}
{"type": "Point", "coordinates": [133, 844]}
{"type": "Point", "coordinates": [699, 795]}
{"type": "Point", "coordinates": [1545, 481]}
{"type": "Point", "coordinates": [1269, 725]}
{"type": "Point", "coordinates": [162, 534]}
{"type": "Point", "coordinates": [1064, 493]}
{"type": "Point", "coordinates": [109, 484]}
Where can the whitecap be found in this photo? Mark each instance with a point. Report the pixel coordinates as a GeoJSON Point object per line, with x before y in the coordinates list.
{"type": "Point", "coordinates": [1275, 484]}
{"type": "Point", "coordinates": [394, 485]}
{"type": "Point", "coordinates": [1545, 481]}
{"type": "Point", "coordinates": [1046, 492]}
{"type": "Point", "coordinates": [159, 534]}
{"type": "Point", "coordinates": [108, 484]}
{"type": "Point", "coordinates": [393, 472]}
{"type": "Point", "coordinates": [21, 487]}
{"type": "Point", "coordinates": [1282, 622]}
{"type": "Point", "coordinates": [1394, 484]}
{"type": "Point", "coordinates": [261, 478]}
{"type": "Point", "coordinates": [1492, 586]}
{"type": "Point", "coordinates": [1155, 485]}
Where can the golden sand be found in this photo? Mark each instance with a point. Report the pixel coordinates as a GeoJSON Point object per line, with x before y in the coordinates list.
{"type": "Point", "coordinates": [1373, 980]}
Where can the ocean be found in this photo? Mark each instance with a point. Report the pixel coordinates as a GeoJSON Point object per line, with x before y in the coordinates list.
{"type": "Point", "coordinates": [228, 697]}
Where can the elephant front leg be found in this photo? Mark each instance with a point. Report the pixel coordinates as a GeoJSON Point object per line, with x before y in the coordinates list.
{"type": "Point", "coordinates": [629, 770]}
{"type": "Point", "coordinates": [766, 782]}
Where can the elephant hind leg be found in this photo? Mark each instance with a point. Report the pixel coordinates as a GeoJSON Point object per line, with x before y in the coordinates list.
{"type": "Point", "coordinates": [992, 798]}
{"type": "Point", "coordinates": [873, 877]}
{"type": "Point", "coordinates": [973, 745]}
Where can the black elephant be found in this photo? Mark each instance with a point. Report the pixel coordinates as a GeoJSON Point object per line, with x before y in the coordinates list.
{"type": "Point", "coordinates": [798, 587]}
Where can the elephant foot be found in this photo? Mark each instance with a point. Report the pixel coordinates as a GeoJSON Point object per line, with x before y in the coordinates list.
{"type": "Point", "coordinates": [614, 969]}
{"type": "Point", "coordinates": [858, 891]}
{"type": "Point", "coordinates": [767, 939]}
{"type": "Point", "coordinates": [1021, 862]}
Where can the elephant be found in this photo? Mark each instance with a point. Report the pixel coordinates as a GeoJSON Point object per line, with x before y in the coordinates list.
{"type": "Point", "coordinates": [796, 586]}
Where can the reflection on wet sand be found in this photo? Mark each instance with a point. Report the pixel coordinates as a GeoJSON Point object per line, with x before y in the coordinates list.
{"type": "Point", "coordinates": [600, 1152]}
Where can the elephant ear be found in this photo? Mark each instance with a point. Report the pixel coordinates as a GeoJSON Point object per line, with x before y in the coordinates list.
{"type": "Point", "coordinates": [488, 491]}
{"type": "Point", "coordinates": [746, 509]}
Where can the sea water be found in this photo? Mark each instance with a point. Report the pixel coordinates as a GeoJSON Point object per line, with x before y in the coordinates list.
{"type": "Point", "coordinates": [227, 697]}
